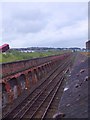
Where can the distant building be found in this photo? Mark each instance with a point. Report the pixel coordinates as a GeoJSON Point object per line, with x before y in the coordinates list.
{"type": "Point", "coordinates": [88, 45]}
{"type": "Point", "coordinates": [4, 48]}
{"type": "Point", "coordinates": [75, 49]}
{"type": "Point", "coordinates": [26, 51]}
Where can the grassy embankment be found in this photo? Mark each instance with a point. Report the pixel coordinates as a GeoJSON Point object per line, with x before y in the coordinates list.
{"type": "Point", "coordinates": [15, 55]}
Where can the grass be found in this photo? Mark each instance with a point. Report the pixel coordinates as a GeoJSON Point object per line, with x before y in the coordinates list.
{"type": "Point", "coordinates": [14, 55]}
{"type": "Point", "coordinates": [0, 57]}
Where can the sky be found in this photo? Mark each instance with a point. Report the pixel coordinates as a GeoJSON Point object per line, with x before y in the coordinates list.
{"type": "Point", "coordinates": [44, 24]}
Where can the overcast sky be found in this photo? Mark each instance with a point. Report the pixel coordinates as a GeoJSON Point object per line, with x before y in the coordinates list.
{"type": "Point", "coordinates": [44, 24]}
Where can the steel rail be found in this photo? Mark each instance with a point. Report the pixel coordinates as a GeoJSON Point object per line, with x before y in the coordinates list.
{"type": "Point", "coordinates": [57, 86]}
{"type": "Point", "coordinates": [34, 98]}
{"type": "Point", "coordinates": [46, 110]}
{"type": "Point", "coordinates": [39, 104]}
{"type": "Point", "coordinates": [31, 106]}
{"type": "Point", "coordinates": [37, 96]}
{"type": "Point", "coordinates": [49, 102]}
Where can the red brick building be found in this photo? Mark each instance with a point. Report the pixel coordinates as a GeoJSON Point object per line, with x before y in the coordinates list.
{"type": "Point", "coordinates": [4, 48]}
{"type": "Point", "coordinates": [88, 45]}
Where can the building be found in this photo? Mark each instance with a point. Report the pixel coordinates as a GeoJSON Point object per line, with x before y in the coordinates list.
{"type": "Point", "coordinates": [4, 48]}
{"type": "Point", "coordinates": [88, 45]}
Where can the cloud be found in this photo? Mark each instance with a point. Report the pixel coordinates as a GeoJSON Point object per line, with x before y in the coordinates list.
{"type": "Point", "coordinates": [29, 26]}
{"type": "Point", "coordinates": [45, 24]}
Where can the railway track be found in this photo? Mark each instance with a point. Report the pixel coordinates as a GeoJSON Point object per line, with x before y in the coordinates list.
{"type": "Point", "coordinates": [39, 103]}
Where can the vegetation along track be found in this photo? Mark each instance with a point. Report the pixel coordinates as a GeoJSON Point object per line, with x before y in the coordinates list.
{"type": "Point", "coordinates": [39, 102]}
